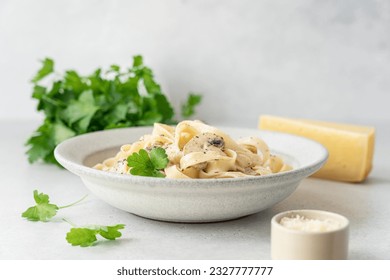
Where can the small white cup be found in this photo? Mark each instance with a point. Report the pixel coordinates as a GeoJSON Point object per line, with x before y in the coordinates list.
{"type": "Point", "coordinates": [292, 244]}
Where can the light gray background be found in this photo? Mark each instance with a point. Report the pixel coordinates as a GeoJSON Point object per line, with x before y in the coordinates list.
{"type": "Point", "coordinates": [325, 60]}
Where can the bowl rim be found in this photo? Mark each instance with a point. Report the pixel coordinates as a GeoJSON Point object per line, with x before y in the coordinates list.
{"type": "Point", "coordinates": [80, 169]}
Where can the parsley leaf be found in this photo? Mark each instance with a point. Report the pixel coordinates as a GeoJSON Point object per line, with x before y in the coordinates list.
{"type": "Point", "coordinates": [144, 164]}
{"type": "Point", "coordinates": [86, 236]}
{"type": "Point", "coordinates": [81, 237]}
{"type": "Point", "coordinates": [81, 111]}
{"type": "Point", "coordinates": [74, 104]}
{"type": "Point", "coordinates": [111, 232]}
{"type": "Point", "coordinates": [188, 108]}
{"type": "Point", "coordinates": [46, 69]}
{"type": "Point", "coordinates": [41, 143]}
{"type": "Point", "coordinates": [159, 158]}
{"type": "Point", "coordinates": [43, 210]}
{"type": "Point", "coordinates": [137, 61]}
{"type": "Point", "coordinates": [45, 139]}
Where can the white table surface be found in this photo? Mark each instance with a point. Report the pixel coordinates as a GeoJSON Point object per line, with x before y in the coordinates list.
{"type": "Point", "coordinates": [367, 205]}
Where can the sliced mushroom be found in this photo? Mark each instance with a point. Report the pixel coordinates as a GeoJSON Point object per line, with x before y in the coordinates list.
{"type": "Point", "coordinates": [204, 142]}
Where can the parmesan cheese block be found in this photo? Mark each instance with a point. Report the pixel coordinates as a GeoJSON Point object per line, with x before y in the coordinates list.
{"type": "Point", "coordinates": [350, 147]}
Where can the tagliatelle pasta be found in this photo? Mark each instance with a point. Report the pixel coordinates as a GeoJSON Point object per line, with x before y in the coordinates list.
{"type": "Point", "coordinates": [197, 150]}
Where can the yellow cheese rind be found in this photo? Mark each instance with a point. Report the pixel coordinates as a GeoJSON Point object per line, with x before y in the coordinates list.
{"type": "Point", "coordinates": [350, 147]}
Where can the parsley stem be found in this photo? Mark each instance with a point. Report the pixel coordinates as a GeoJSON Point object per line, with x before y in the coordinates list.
{"type": "Point", "coordinates": [72, 224]}
{"type": "Point", "coordinates": [73, 202]}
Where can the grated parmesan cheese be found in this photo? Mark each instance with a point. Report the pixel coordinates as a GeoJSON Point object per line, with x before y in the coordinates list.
{"type": "Point", "coordinates": [302, 223]}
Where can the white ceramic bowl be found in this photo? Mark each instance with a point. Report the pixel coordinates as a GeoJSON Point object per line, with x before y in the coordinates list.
{"type": "Point", "coordinates": [196, 200]}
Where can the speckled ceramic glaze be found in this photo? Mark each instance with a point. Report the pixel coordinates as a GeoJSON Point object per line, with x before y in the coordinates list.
{"type": "Point", "coordinates": [195, 200]}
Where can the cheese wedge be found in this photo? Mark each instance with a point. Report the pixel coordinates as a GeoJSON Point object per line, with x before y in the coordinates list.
{"type": "Point", "coordinates": [350, 147]}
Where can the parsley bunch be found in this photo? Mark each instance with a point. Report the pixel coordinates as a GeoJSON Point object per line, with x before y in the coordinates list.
{"type": "Point", "coordinates": [75, 104]}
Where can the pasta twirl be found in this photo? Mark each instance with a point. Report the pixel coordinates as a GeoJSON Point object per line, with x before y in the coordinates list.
{"type": "Point", "coordinates": [197, 150]}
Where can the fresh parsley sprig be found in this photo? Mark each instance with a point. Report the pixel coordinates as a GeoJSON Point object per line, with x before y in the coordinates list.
{"type": "Point", "coordinates": [44, 210]}
{"type": "Point", "coordinates": [150, 165]}
{"type": "Point", "coordinates": [74, 104]}
{"type": "Point", "coordinates": [77, 236]}
{"type": "Point", "coordinates": [86, 236]}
